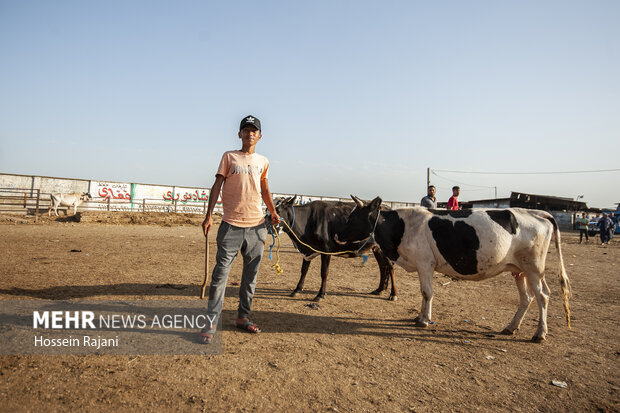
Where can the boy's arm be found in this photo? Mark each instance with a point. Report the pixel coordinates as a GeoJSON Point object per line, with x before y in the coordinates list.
{"type": "Point", "coordinates": [213, 195]}
{"type": "Point", "coordinates": [268, 200]}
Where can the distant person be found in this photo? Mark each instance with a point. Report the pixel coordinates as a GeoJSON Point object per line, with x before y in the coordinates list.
{"type": "Point", "coordinates": [429, 201]}
{"type": "Point", "coordinates": [605, 225]}
{"type": "Point", "coordinates": [453, 202]}
{"type": "Point", "coordinates": [614, 221]}
{"type": "Point", "coordinates": [242, 179]}
{"type": "Point", "coordinates": [582, 225]}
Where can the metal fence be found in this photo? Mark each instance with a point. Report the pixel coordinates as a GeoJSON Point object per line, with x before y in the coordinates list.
{"type": "Point", "coordinates": [20, 200]}
{"type": "Point", "coordinates": [34, 202]}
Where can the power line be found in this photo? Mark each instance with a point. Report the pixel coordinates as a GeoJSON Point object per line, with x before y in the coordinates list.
{"type": "Point", "coordinates": [526, 173]}
{"type": "Point", "coordinates": [460, 183]}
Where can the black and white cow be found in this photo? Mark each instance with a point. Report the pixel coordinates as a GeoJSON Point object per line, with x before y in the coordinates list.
{"type": "Point", "coordinates": [73, 199]}
{"type": "Point", "coordinates": [316, 224]}
{"type": "Point", "coordinates": [467, 244]}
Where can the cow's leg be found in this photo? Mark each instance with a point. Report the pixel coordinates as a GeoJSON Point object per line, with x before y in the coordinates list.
{"type": "Point", "coordinates": [75, 208]}
{"type": "Point", "coordinates": [387, 273]}
{"type": "Point", "coordinates": [56, 210]}
{"type": "Point", "coordinates": [305, 264]}
{"type": "Point", "coordinates": [538, 285]}
{"type": "Point", "coordinates": [426, 288]}
{"type": "Point", "coordinates": [325, 259]}
{"type": "Point", "coordinates": [389, 269]}
{"type": "Point", "coordinates": [383, 280]}
{"type": "Point", "coordinates": [525, 298]}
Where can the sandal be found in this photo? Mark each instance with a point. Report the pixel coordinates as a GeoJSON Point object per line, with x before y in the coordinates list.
{"type": "Point", "coordinates": [206, 337]}
{"type": "Point", "coordinates": [248, 326]}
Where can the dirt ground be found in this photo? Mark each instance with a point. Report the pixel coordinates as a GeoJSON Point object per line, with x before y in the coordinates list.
{"type": "Point", "coordinates": [356, 352]}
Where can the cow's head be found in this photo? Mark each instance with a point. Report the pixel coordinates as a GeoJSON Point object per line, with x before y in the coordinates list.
{"type": "Point", "coordinates": [86, 197]}
{"type": "Point", "coordinates": [284, 208]}
{"type": "Point", "coordinates": [284, 202]}
{"type": "Point", "coordinates": [361, 222]}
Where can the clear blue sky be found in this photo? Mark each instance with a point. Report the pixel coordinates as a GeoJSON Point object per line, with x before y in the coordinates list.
{"type": "Point", "coordinates": [354, 96]}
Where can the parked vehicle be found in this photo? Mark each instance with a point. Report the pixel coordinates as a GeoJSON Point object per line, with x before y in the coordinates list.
{"type": "Point", "coordinates": [593, 227]}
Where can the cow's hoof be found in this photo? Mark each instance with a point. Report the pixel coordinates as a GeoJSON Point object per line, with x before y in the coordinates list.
{"type": "Point", "coordinates": [376, 292]}
{"type": "Point", "coordinates": [393, 298]}
{"type": "Point", "coordinates": [294, 293]}
{"type": "Point", "coordinates": [318, 298]}
{"type": "Point", "coordinates": [538, 339]}
{"type": "Point", "coordinates": [507, 332]}
{"type": "Point", "coordinates": [417, 322]}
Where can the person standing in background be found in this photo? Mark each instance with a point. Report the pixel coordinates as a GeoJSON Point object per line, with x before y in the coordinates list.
{"type": "Point", "coordinates": [429, 201]}
{"type": "Point", "coordinates": [605, 225]}
{"type": "Point", "coordinates": [614, 222]}
{"type": "Point", "coordinates": [582, 226]}
{"type": "Point", "coordinates": [453, 202]}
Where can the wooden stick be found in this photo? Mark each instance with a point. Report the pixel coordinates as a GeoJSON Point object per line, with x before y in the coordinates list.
{"type": "Point", "coordinates": [204, 284]}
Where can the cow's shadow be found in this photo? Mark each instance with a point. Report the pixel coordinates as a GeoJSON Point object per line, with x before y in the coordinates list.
{"type": "Point", "coordinates": [309, 321]}
{"type": "Point", "coordinates": [77, 217]}
{"type": "Point", "coordinates": [308, 295]}
{"type": "Point", "coordinates": [120, 290]}
{"type": "Point", "coordinates": [176, 290]}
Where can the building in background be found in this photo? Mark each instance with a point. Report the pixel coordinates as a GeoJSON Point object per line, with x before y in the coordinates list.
{"type": "Point", "coordinates": [563, 209]}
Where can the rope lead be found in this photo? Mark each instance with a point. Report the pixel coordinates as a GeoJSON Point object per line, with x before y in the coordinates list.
{"type": "Point", "coordinates": [277, 267]}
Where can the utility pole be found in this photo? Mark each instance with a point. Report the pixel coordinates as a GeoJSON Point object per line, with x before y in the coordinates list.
{"type": "Point", "coordinates": [428, 177]}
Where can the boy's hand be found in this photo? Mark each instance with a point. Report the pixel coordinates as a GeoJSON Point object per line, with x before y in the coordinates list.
{"type": "Point", "coordinates": [207, 224]}
{"type": "Point", "coordinates": [275, 219]}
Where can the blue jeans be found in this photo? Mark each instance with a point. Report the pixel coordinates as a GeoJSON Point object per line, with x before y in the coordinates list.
{"type": "Point", "coordinates": [231, 240]}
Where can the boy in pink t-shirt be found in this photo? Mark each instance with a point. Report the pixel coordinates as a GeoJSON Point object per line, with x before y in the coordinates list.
{"type": "Point", "coordinates": [242, 178]}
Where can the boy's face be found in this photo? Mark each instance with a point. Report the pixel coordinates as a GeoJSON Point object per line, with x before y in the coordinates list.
{"type": "Point", "coordinates": [250, 135]}
{"type": "Point", "coordinates": [456, 192]}
{"type": "Point", "coordinates": [431, 191]}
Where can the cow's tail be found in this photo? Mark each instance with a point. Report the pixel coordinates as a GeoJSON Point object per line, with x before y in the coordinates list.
{"type": "Point", "coordinates": [564, 282]}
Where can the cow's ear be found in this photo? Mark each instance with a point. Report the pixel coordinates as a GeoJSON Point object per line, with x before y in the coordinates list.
{"type": "Point", "coordinates": [375, 203]}
{"type": "Point", "coordinates": [357, 201]}
{"type": "Point", "coordinates": [291, 200]}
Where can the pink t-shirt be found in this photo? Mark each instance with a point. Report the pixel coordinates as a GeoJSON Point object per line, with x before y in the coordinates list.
{"type": "Point", "coordinates": [241, 194]}
{"type": "Point", "coordinates": [453, 203]}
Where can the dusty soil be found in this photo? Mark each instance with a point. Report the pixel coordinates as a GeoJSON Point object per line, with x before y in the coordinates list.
{"type": "Point", "coordinates": [356, 352]}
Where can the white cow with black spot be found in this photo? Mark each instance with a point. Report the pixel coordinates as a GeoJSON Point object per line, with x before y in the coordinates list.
{"type": "Point", "coordinates": [467, 244]}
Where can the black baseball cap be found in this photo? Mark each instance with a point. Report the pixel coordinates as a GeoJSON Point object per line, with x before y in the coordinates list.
{"type": "Point", "coordinates": [250, 121]}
